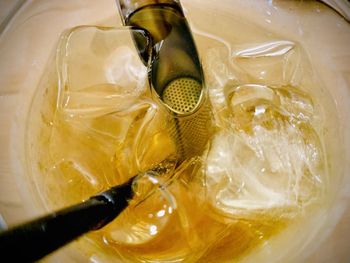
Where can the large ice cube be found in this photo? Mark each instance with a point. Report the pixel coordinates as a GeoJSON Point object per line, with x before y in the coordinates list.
{"type": "Point", "coordinates": [269, 157]}
{"type": "Point", "coordinates": [100, 72]}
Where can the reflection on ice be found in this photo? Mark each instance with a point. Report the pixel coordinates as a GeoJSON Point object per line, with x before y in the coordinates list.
{"type": "Point", "coordinates": [274, 63]}
{"type": "Point", "coordinates": [132, 75]}
{"type": "Point", "coordinates": [271, 49]}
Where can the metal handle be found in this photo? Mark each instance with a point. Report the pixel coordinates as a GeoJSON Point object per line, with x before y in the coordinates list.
{"type": "Point", "coordinates": [33, 240]}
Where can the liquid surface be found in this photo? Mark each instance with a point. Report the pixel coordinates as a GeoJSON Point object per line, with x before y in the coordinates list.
{"type": "Point", "coordinates": [264, 168]}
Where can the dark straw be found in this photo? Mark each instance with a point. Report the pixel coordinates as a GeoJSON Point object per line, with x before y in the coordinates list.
{"type": "Point", "coordinates": [33, 240]}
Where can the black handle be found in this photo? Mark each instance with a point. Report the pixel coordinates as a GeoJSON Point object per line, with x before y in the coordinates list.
{"type": "Point", "coordinates": [33, 240]}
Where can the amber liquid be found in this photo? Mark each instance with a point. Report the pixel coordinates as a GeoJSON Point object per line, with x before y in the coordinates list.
{"type": "Point", "coordinates": [264, 166]}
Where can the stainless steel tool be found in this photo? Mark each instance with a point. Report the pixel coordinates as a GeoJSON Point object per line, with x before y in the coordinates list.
{"type": "Point", "coordinates": [175, 73]}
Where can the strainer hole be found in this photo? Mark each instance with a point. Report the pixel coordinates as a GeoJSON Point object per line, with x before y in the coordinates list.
{"type": "Point", "coordinates": [182, 94]}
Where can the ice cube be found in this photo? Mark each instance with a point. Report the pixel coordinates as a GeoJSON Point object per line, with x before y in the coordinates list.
{"type": "Point", "coordinates": [273, 63]}
{"type": "Point", "coordinates": [161, 225]}
{"type": "Point", "coordinates": [99, 72]}
{"type": "Point", "coordinates": [269, 157]}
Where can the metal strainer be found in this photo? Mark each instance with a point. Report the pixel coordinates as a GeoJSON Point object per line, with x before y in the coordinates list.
{"type": "Point", "coordinates": [186, 99]}
{"type": "Point", "coordinates": [175, 71]}
{"type": "Point", "coordinates": [182, 95]}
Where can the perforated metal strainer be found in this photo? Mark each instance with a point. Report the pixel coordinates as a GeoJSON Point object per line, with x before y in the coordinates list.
{"type": "Point", "coordinates": [186, 99]}
{"type": "Point", "coordinates": [182, 95]}
{"type": "Point", "coordinates": [175, 71]}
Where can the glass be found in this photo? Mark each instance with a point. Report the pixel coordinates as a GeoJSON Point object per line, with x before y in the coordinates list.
{"type": "Point", "coordinates": [100, 125]}
{"type": "Point", "coordinates": [260, 68]}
